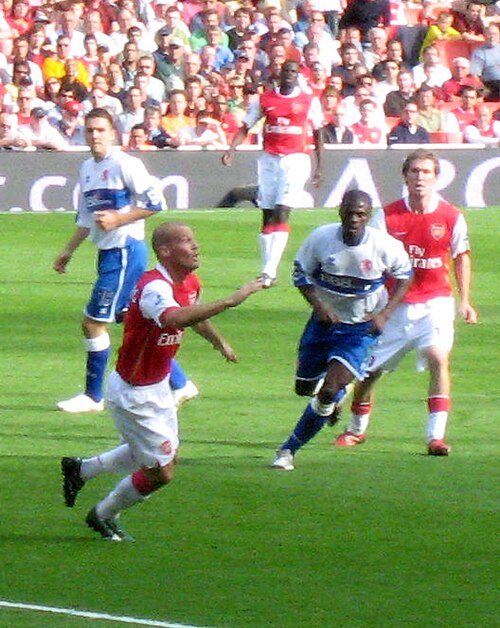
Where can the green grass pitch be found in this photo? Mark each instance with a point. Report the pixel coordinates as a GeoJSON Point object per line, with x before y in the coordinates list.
{"type": "Point", "coordinates": [381, 535]}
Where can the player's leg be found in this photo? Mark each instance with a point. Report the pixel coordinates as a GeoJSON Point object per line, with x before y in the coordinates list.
{"type": "Point", "coordinates": [316, 413]}
{"type": "Point", "coordinates": [77, 471]}
{"type": "Point", "coordinates": [274, 238]}
{"type": "Point", "coordinates": [118, 271]}
{"type": "Point", "coordinates": [438, 401]}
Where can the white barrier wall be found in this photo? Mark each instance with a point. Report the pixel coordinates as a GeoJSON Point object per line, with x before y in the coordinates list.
{"type": "Point", "coordinates": [47, 181]}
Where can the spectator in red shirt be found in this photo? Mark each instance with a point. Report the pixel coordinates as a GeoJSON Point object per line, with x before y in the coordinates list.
{"type": "Point", "coordinates": [461, 77]}
{"type": "Point", "coordinates": [465, 114]}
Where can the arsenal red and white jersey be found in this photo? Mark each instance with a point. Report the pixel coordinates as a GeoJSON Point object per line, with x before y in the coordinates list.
{"type": "Point", "coordinates": [431, 240]}
{"type": "Point", "coordinates": [288, 120]}
{"type": "Point", "coordinates": [367, 135]}
{"type": "Point", "coordinates": [148, 348]}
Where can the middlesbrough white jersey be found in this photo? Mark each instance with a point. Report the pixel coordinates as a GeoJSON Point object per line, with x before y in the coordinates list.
{"type": "Point", "coordinates": [350, 279]}
{"type": "Point", "coordinates": [119, 182]}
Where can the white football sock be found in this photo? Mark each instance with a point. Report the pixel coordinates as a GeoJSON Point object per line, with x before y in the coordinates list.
{"type": "Point", "coordinates": [117, 460]}
{"type": "Point", "coordinates": [265, 242]}
{"type": "Point", "coordinates": [358, 424]}
{"type": "Point", "coordinates": [123, 496]}
{"type": "Point", "coordinates": [436, 425]}
{"type": "Point", "coordinates": [279, 240]}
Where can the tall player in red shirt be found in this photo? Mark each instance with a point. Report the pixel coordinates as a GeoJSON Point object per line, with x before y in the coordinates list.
{"type": "Point", "coordinates": [433, 232]}
{"type": "Point", "coordinates": [285, 167]}
{"type": "Point", "coordinates": [139, 398]}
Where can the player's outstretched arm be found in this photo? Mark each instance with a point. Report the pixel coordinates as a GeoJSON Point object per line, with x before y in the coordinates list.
{"type": "Point", "coordinates": [74, 242]}
{"type": "Point", "coordinates": [463, 276]}
{"type": "Point", "coordinates": [193, 314]}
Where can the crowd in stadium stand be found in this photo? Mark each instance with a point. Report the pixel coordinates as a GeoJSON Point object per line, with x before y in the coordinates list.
{"type": "Point", "coordinates": [182, 73]}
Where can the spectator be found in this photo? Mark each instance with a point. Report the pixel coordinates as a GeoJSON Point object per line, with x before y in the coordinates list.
{"type": "Point", "coordinates": [337, 132]}
{"type": "Point", "coordinates": [37, 41]}
{"type": "Point", "coordinates": [428, 116]}
{"type": "Point", "coordinates": [330, 100]}
{"type": "Point", "coordinates": [21, 55]}
{"type": "Point", "coordinates": [377, 51]}
{"type": "Point", "coordinates": [125, 19]}
{"type": "Point", "coordinates": [175, 119]}
{"type": "Point", "coordinates": [68, 23]}
{"type": "Point", "coordinates": [440, 72]}
{"type": "Point", "coordinates": [141, 82]}
{"type": "Point", "coordinates": [156, 136]}
{"type": "Point", "coordinates": [51, 93]}
{"type": "Point", "coordinates": [408, 131]}
{"type": "Point", "coordinates": [26, 101]}
{"type": "Point", "coordinates": [485, 62]}
{"type": "Point", "coordinates": [460, 78]}
{"type": "Point", "coordinates": [366, 14]}
{"type": "Point", "coordinates": [223, 54]}
{"type": "Point", "coordinates": [93, 25]}
{"type": "Point", "coordinates": [199, 36]}
{"type": "Point", "coordinates": [116, 83]}
{"type": "Point", "coordinates": [285, 38]}
{"type": "Point", "coordinates": [39, 133]}
{"type": "Point", "coordinates": [197, 23]}
{"type": "Point", "coordinates": [130, 63]}
{"type": "Point", "coordinates": [396, 100]}
{"type": "Point", "coordinates": [71, 125]}
{"type": "Point", "coordinates": [469, 23]}
{"type": "Point", "coordinates": [91, 58]}
{"type": "Point", "coordinates": [458, 119]}
{"type": "Point", "coordinates": [168, 18]}
{"type": "Point", "coordinates": [71, 69]}
{"type": "Point", "coordinates": [316, 34]}
{"type": "Point", "coordinates": [138, 139]}
{"type": "Point", "coordinates": [156, 87]}
{"type": "Point", "coordinates": [100, 99]}
{"type": "Point", "coordinates": [138, 35]}
{"type": "Point", "coordinates": [485, 130]}
{"type": "Point", "coordinates": [351, 58]}
{"type": "Point", "coordinates": [274, 22]}
{"type": "Point", "coordinates": [20, 20]}
{"type": "Point", "coordinates": [229, 122]}
{"type": "Point", "coordinates": [208, 133]}
{"type": "Point", "coordinates": [133, 112]}
{"type": "Point", "coordinates": [388, 82]}
{"type": "Point", "coordinates": [56, 66]}
{"type": "Point", "coordinates": [367, 130]}
{"type": "Point", "coordinates": [8, 128]}
{"type": "Point", "coordinates": [242, 20]}
{"type": "Point", "coordinates": [169, 58]}
{"type": "Point", "coordinates": [441, 30]}
{"type": "Point", "coordinates": [64, 95]}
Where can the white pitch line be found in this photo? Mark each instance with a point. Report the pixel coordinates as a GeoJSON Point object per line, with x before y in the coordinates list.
{"type": "Point", "coordinates": [124, 619]}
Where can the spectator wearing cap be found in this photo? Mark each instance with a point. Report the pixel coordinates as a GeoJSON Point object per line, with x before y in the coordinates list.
{"type": "Point", "coordinates": [408, 131]}
{"type": "Point", "coordinates": [461, 77]}
{"type": "Point", "coordinates": [169, 58]}
{"type": "Point", "coordinates": [71, 126]}
{"type": "Point", "coordinates": [242, 20]}
{"type": "Point", "coordinates": [199, 37]}
{"type": "Point", "coordinates": [39, 133]}
{"type": "Point", "coordinates": [56, 66]}
{"type": "Point", "coordinates": [176, 119]}
{"type": "Point", "coordinates": [93, 25]}
{"type": "Point", "coordinates": [485, 130]}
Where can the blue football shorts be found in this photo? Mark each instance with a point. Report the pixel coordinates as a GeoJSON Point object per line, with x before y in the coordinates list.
{"type": "Point", "coordinates": [118, 271]}
{"type": "Point", "coordinates": [321, 343]}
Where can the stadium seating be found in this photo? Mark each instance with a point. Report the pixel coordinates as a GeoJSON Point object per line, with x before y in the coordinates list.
{"type": "Point", "coordinates": [441, 137]}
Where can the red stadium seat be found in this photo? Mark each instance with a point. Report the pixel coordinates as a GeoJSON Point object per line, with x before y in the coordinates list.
{"type": "Point", "coordinates": [441, 137]}
{"type": "Point", "coordinates": [450, 49]}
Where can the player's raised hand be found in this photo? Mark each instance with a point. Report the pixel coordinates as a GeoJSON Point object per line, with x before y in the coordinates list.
{"type": "Point", "coordinates": [245, 291]}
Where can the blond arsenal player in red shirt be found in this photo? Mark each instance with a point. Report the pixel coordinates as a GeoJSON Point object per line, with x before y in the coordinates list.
{"type": "Point", "coordinates": [434, 233]}
{"type": "Point", "coordinates": [166, 301]}
{"type": "Point", "coordinates": [283, 170]}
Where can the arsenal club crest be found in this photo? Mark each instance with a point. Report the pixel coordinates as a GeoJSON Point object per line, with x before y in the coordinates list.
{"type": "Point", "coordinates": [296, 107]}
{"type": "Point", "coordinates": [438, 231]}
